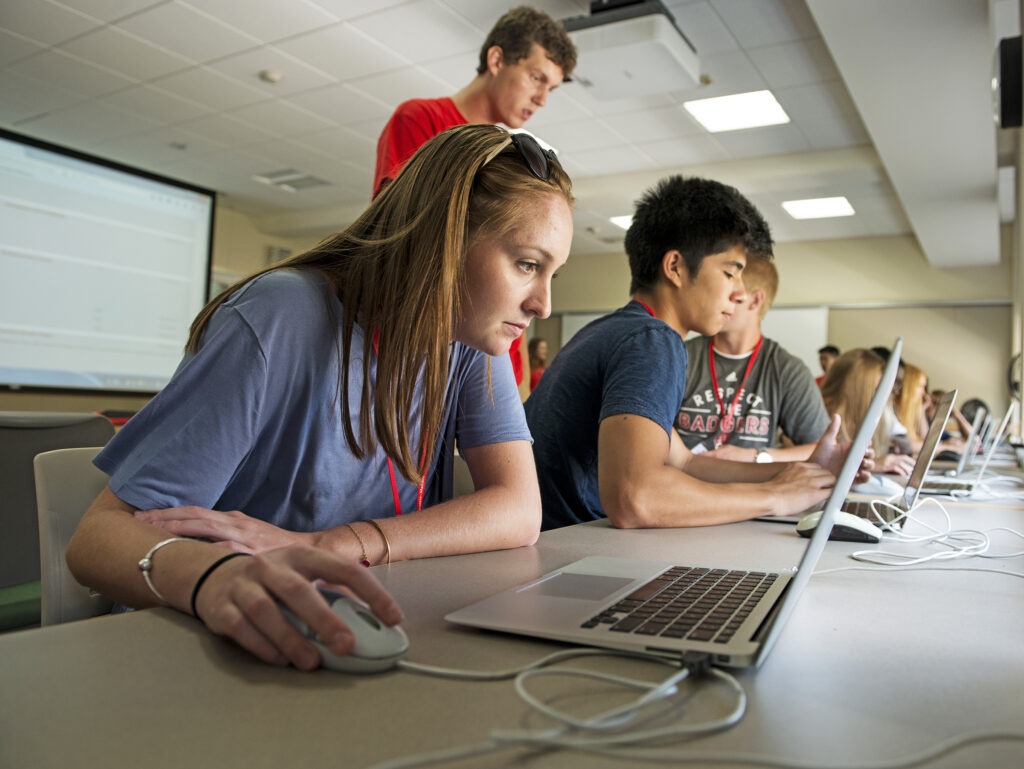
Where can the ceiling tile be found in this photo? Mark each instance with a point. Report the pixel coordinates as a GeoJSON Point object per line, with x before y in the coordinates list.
{"type": "Point", "coordinates": [342, 52]}
{"type": "Point", "coordinates": [191, 34]}
{"type": "Point", "coordinates": [210, 88]}
{"type": "Point", "coordinates": [89, 123]}
{"type": "Point", "coordinates": [114, 48]}
{"type": "Point", "coordinates": [23, 97]}
{"type": "Point", "coordinates": [267, 20]}
{"type": "Point", "coordinates": [43, 21]}
{"type": "Point", "coordinates": [110, 10]}
{"type": "Point", "coordinates": [395, 87]}
{"type": "Point", "coordinates": [771, 140]}
{"type": "Point", "coordinates": [685, 151]}
{"type": "Point", "coordinates": [454, 71]}
{"type": "Point", "coordinates": [343, 105]}
{"type": "Point", "coordinates": [755, 23]}
{"type": "Point", "coordinates": [653, 124]}
{"type": "Point", "coordinates": [426, 29]}
{"type": "Point", "coordinates": [792, 64]}
{"type": "Point", "coordinates": [227, 130]}
{"type": "Point", "coordinates": [157, 104]}
{"type": "Point", "coordinates": [699, 22]}
{"type": "Point", "coordinates": [14, 47]}
{"type": "Point", "coordinates": [281, 118]}
{"type": "Point", "coordinates": [74, 74]}
{"type": "Point", "coordinates": [339, 144]}
{"type": "Point", "coordinates": [623, 159]}
{"type": "Point", "coordinates": [296, 76]}
{"type": "Point", "coordinates": [353, 9]}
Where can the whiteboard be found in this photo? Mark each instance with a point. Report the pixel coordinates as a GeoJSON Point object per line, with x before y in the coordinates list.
{"type": "Point", "coordinates": [574, 321]}
{"type": "Point", "coordinates": [800, 330]}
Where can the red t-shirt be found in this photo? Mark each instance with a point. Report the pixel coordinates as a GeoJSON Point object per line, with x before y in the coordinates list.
{"type": "Point", "coordinates": [413, 123]}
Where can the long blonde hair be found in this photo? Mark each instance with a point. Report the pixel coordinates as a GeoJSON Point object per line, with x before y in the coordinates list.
{"type": "Point", "coordinates": [909, 405]}
{"type": "Point", "coordinates": [847, 389]}
{"type": "Point", "coordinates": [399, 271]}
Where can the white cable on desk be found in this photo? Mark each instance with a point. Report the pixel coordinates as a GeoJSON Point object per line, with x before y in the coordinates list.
{"type": "Point", "coordinates": [589, 734]}
{"type": "Point", "coordinates": [958, 543]}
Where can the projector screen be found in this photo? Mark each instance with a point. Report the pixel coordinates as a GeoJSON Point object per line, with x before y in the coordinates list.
{"type": "Point", "coordinates": [102, 269]}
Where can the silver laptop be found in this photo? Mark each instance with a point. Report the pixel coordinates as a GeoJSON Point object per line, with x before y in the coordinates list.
{"type": "Point", "coordinates": [862, 504]}
{"type": "Point", "coordinates": [660, 608]}
{"type": "Point", "coordinates": [916, 481]}
{"type": "Point", "coordinates": [971, 446]}
{"type": "Point", "coordinates": [963, 485]}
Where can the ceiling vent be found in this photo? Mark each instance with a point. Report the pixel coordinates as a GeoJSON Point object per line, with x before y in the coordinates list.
{"type": "Point", "coordinates": [290, 180]}
{"type": "Point", "coordinates": [629, 49]}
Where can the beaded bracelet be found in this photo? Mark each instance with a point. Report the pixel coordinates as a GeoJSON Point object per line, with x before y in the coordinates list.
{"type": "Point", "coordinates": [146, 565]}
{"type": "Point", "coordinates": [209, 570]}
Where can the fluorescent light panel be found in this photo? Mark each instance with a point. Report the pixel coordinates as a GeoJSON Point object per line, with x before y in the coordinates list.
{"type": "Point", "coordinates": [818, 208]}
{"type": "Point", "coordinates": [741, 110]}
{"type": "Point", "coordinates": [622, 221]}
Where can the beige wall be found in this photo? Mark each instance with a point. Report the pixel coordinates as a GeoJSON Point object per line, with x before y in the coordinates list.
{"type": "Point", "coordinates": [957, 324]}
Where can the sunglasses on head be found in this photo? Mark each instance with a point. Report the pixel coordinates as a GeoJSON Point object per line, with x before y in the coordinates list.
{"type": "Point", "coordinates": [537, 159]}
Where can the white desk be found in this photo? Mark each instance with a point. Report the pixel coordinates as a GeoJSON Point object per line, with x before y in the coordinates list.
{"type": "Point", "coordinates": [872, 666]}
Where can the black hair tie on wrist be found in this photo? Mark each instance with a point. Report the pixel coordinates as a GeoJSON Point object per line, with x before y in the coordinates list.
{"type": "Point", "coordinates": [209, 570]}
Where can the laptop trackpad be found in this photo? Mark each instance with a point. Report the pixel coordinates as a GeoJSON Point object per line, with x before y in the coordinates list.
{"type": "Point", "coordinates": [586, 587]}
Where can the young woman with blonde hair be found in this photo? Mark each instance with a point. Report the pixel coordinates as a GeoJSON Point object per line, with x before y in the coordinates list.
{"type": "Point", "coordinates": [313, 421]}
{"type": "Point", "coordinates": [847, 389]}
{"type": "Point", "coordinates": [911, 405]}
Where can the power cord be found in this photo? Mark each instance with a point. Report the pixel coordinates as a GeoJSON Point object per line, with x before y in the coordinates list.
{"type": "Point", "coordinates": [956, 543]}
{"type": "Point", "coordinates": [601, 732]}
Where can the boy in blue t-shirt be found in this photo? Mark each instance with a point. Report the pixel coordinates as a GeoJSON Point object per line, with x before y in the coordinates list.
{"type": "Point", "coordinates": [602, 415]}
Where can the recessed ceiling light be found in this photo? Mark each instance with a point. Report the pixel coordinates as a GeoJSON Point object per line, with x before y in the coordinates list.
{"type": "Point", "coordinates": [818, 208]}
{"type": "Point", "coordinates": [622, 221]}
{"type": "Point", "coordinates": [741, 110]}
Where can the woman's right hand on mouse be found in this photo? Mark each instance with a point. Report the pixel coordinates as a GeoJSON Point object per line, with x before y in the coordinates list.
{"type": "Point", "coordinates": [240, 600]}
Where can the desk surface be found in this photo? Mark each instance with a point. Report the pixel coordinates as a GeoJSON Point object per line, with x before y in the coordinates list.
{"type": "Point", "coordinates": [873, 665]}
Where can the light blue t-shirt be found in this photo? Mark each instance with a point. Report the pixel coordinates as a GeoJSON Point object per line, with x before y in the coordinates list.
{"type": "Point", "coordinates": [252, 422]}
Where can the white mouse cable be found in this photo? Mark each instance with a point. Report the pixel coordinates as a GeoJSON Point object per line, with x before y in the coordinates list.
{"type": "Point", "coordinates": [962, 543]}
{"type": "Point", "coordinates": [568, 736]}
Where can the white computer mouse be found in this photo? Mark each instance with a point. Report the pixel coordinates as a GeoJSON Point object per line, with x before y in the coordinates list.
{"type": "Point", "coordinates": [878, 486]}
{"type": "Point", "coordinates": [378, 647]}
{"type": "Point", "coordinates": [847, 527]}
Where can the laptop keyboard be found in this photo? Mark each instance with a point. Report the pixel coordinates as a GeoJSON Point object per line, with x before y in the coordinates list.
{"type": "Point", "coordinates": [685, 602]}
{"type": "Point", "coordinates": [944, 485]}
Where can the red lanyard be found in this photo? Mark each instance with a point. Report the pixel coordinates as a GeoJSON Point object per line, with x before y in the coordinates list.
{"type": "Point", "coordinates": [646, 307]}
{"type": "Point", "coordinates": [421, 488]}
{"type": "Point", "coordinates": [721, 437]}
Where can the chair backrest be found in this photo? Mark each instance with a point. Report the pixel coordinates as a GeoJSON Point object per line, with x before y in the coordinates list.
{"type": "Point", "coordinates": [66, 484]}
{"type": "Point", "coordinates": [23, 434]}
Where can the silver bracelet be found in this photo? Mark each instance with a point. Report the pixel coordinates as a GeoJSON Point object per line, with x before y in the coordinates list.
{"type": "Point", "coordinates": [146, 564]}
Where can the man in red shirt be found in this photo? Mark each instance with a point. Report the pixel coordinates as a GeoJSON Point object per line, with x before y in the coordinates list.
{"type": "Point", "coordinates": [526, 55]}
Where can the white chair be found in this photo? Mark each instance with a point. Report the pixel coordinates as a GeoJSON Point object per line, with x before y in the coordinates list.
{"type": "Point", "coordinates": [66, 484]}
{"type": "Point", "coordinates": [23, 434]}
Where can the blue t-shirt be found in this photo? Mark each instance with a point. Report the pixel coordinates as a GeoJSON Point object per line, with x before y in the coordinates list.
{"type": "Point", "coordinates": [624, 363]}
{"type": "Point", "coordinates": [252, 421]}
